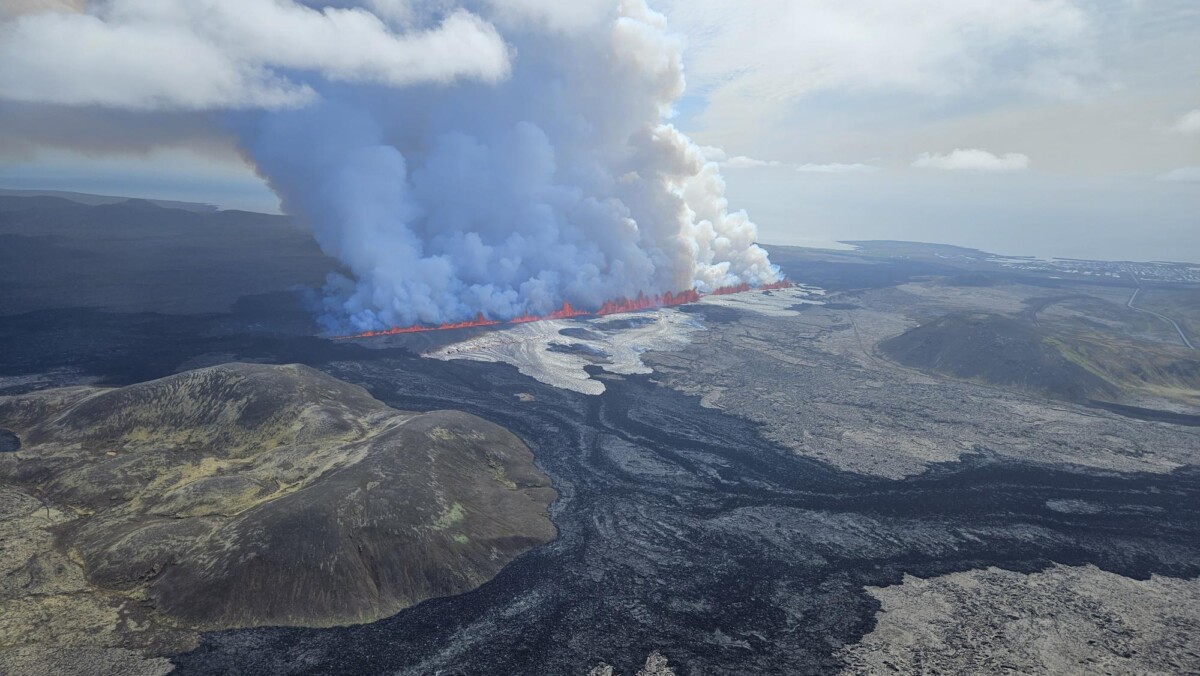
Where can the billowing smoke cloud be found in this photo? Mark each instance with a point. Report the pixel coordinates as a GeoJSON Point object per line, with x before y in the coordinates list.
{"type": "Point", "coordinates": [561, 183]}
{"type": "Point", "coordinates": [510, 181]}
{"type": "Point", "coordinates": [211, 54]}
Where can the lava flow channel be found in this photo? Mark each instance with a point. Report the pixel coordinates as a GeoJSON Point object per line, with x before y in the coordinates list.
{"type": "Point", "coordinates": [611, 307]}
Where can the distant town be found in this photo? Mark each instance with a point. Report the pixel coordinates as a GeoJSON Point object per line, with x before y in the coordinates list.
{"type": "Point", "coordinates": [1116, 272]}
{"type": "Point", "coordinates": [1179, 273]}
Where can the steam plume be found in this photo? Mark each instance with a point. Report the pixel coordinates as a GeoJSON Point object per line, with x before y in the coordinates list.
{"type": "Point", "coordinates": [462, 158]}
{"type": "Point", "coordinates": [563, 182]}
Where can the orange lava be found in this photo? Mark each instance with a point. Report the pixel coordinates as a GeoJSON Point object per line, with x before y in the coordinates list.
{"type": "Point", "coordinates": [611, 307]}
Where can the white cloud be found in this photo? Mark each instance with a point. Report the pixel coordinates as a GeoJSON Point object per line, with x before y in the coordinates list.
{"type": "Point", "coordinates": [743, 162]}
{"type": "Point", "coordinates": [752, 59]}
{"type": "Point", "coordinates": [1182, 175]}
{"type": "Point", "coordinates": [972, 159]}
{"type": "Point", "coordinates": [398, 12]}
{"type": "Point", "coordinates": [207, 54]}
{"type": "Point", "coordinates": [560, 15]}
{"type": "Point", "coordinates": [713, 153]}
{"type": "Point", "coordinates": [718, 155]}
{"type": "Point", "coordinates": [1189, 123]}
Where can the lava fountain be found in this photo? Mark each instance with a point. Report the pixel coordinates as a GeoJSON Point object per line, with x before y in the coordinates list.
{"type": "Point", "coordinates": [611, 307]}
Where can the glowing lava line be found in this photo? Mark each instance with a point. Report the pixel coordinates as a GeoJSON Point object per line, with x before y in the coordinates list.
{"type": "Point", "coordinates": [611, 307]}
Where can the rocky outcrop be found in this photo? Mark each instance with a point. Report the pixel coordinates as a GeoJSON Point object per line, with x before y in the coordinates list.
{"type": "Point", "coordinates": [656, 665]}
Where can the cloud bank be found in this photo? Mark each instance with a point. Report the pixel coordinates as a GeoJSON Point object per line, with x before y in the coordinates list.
{"type": "Point", "coordinates": [218, 54]}
{"type": "Point", "coordinates": [972, 160]}
{"type": "Point", "coordinates": [718, 155]}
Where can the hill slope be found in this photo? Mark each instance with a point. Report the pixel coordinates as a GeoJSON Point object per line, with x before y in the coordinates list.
{"type": "Point", "coordinates": [137, 256]}
{"type": "Point", "coordinates": [996, 350]}
{"type": "Point", "coordinates": [245, 495]}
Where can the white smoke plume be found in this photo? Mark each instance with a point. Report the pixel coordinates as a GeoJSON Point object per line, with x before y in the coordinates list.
{"type": "Point", "coordinates": [561, 183]}
{"type": "Point", "coordinates": [460, 157]}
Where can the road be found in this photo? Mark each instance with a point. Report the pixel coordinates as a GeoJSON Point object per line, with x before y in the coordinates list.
{"type": "Point", "coordinates": [1182, 335]}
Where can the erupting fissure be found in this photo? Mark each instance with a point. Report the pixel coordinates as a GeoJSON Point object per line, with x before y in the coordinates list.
{"type": "Point", "coordinates": [611, 307]}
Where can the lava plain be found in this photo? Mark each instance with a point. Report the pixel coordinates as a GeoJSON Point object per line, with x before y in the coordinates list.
{"type": "Point", "coordinates": [681, 528]}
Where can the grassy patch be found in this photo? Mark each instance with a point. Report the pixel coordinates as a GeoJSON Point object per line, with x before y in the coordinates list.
{"type": "Point", "coordinates": [451, 516]}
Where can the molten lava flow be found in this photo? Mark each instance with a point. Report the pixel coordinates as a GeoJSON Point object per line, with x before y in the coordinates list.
{"type": "Point", "coordinates": [610, 307]}
{"type": "Point", "coordinates": [479, 320]}
{"type": "Point", "coordinates": [740, 288]}
{"type": "Point", "coordinates": [743, 287]}
{"type": "Point", "coordinates": [644, 302]}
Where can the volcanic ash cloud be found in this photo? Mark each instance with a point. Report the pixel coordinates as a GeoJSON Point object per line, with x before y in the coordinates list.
{"type": "Point", "coordinates": [562, 181]}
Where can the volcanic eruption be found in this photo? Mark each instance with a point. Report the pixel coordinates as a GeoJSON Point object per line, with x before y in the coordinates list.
{"type": "Point", "coordinates": [466, 160]}
{"type": "Point", "coordinates": [611, 307]}
{"type": "Point", "coordinates": [559, 189]}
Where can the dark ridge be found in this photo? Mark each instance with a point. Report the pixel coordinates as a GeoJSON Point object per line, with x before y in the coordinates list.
{"type": "Point", "coordinates": [59, 254]}
{"type": "Point", "coordinates": [88, 199]}
{"type": "Point", "coordinates": [588, 352]}
{"type": "Point", "coordinates": [855, 274]}
{"type": "Point", "coordinates": [580, 333]}
{"type": "Point", "coordinates": [713, 314]}
{"type": "Point", "coordinates": [1151, 414]}
{"type": "Point", "coordinates": [9, 442]}
{"type": "Point", "coordinates": [9, 203]}
{"type": "Point", "coordinates": [134, 205]}
{"type": "Point", "coordinates": [996, 350]}
{"type": "Point", "coordinates": [622, 324]}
